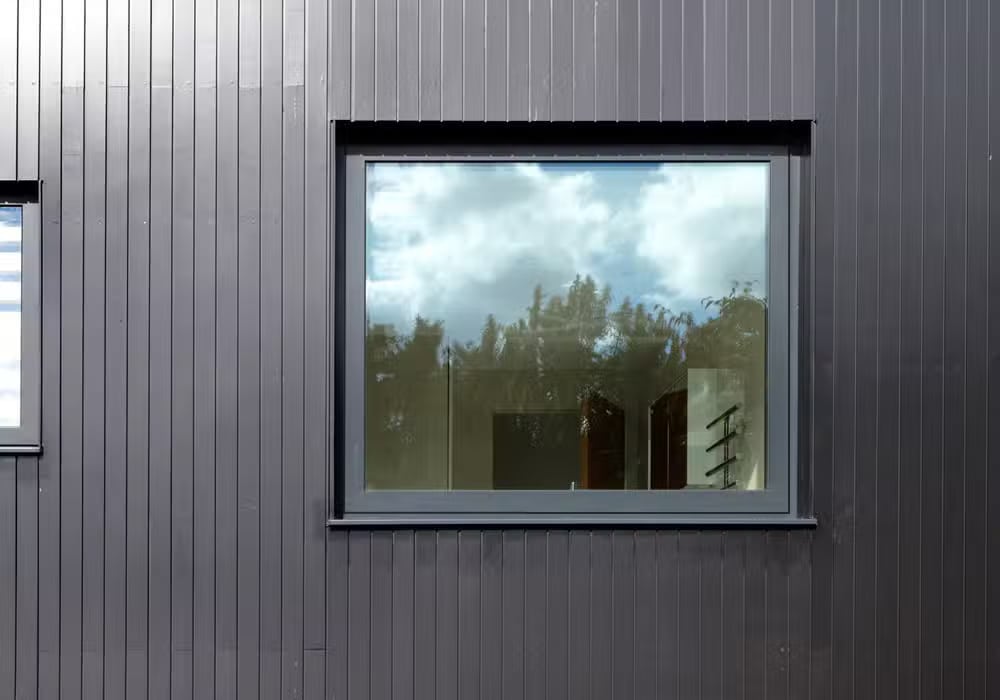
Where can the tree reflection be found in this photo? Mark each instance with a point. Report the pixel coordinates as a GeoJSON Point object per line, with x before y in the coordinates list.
{"type": "Point", "coordinates": [565, 351]}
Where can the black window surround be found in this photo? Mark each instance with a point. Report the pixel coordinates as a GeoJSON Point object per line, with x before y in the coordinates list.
{"type": "Point", "coordinates": [777, 504]}
{"type": "Point", "coordinates": [25, 438]}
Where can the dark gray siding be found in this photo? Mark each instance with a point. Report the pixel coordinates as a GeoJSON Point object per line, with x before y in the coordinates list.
{"type": "Point", "coordinates": [170, 541]}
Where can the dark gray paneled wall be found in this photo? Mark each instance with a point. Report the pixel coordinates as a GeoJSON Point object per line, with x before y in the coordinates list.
{"type": "Point", "coordinates": [170, 542]}
{"type": "Point", "coordinates": [564, 60]}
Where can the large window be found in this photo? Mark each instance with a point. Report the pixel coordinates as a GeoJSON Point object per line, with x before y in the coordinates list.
{"type": "Point", "coordinates": [19, 326]}
{"type": "Point", "coordinates": [567, 334]}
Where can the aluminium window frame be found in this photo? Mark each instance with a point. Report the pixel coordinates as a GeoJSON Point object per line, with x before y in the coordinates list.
{"type": "Point", "coordinates": [26, 437]}
{"type": "Point", "coordinates": [776, 502]}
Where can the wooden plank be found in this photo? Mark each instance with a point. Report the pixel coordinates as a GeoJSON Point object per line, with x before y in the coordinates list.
{"type": "Point", "coordinates": [955, 300]}
{"type": "Point", "coordinates": [804, 58]}
{"type": "Point", "coordinates": [605, 60]}
{"type": "Point", "coordinates": [363, 78]}
{"type": "Point", "coordinates": [755, 600]}
{"type": "Point", "coordinates": [407, 60]}
{"type": "Point", "coordinates": [758, 59]}
{"type": "Point", "coordinates": [667, 609]}
{"type": "Point", "coordinates": [424, 614]}
{"type": "Point", "coordinates": [452, 58]}
{"type": "Point", "coordinates": [430, 59]}
{"type": "Point", "coordinates": [992, 554]}
{"type": "Point", "coordinates": [314, 674]}
{"type": "Point", "coordinates": [204, 354]}
{"type": "Point", "coordinates": [474, 60]}
{"type": "Point", "coordinates": [978, 343]}
{"type": "Point", "coordinates": [732, 674]}
{"type": "Point", "coordinates": [887, 459]}
{"type": "Point", "coordinates": [866, 345]}
{"type": "Point", "coordinates": [646, 661]}
{"type": "Point", "coordinates": [624, 613]}
{"type": "Point", "coordinates": [359, 615]}
{"type": "Point", "coordinates": [160, 355]}
{"type": "Point", "coordinates": [8, 90]}
{"type": "Point", "coordinates": [28, 17]}
{"type": "Point", "coordinates": [227, 437]}
{"type": "Point", "coordinates": [403, 646]}
{"type": "Point", "coordinates": [518, 79]}
{"type": "Point", "coordinates": [496, 60]}
{"type": "Point", "coordinates": [821, 388]}
{"type": "Point", "coordinates": [584, 61]}
{"type": "Point", "coordinates": [470, 565]}
{"type": "Point", "coordinates": [737, 58]}
{"type": "Point", "coordinates": [381, 617]}
{"type": "Point", "coordinates": [910, 254]}
{"type": "Point", "coordinates": [94, 351]}
{"type": "Point", "coordinates": [601, 615]}
{"type": "Point", "coordinates": [776, 616]}
{"type": "Point", "coordinates": [579, 613]}
{"type": "Point", "coordinates": [447, 606]}
{"type": "Point", "coordinates": [338, 618]}
{"type": "Point", "coordinates": [933, 457]}
{"type": "Point", "coordinates": [555, 663]}
{"type": "Point", "coordinates": [137, 478]}
{"type": "Point", "coordinates": [341, 46]}
{"type": "Point", "coordinates": [271, 387]}
{"type": "Point", "coordinates": [649, 60]}
{"type": "Point", "coordinates": [71, 350]}
{"type": "Point", "coordinates": [715, 60]}
{"type": "Point", "coordinates": [26, 571]}
{"type": "Point", "coordinates": [491, 607]}
{"type": "Point", "coordinates": [182, 355]}
{"type": "Point", "coordinates": [247, 355]}
{"type": "Point", "coordinates": [385, 59]}
{"type": "Point", "coordinates": [8, 574]}
{"type": "Point", "coordinates": [527, 660]}
{"type": "Point", "coordinates": [115, 590]}
{"type": "Point", "coordinates": [689, 614]}
{"type": "Point", "coordinates": [671, 60]}
{"type": "Point", "coordinates": [317, 354]}
{"type": "Point", "coordinates": [781, 54]}
{"type": "Point", "coordinates": [710, 624]}
{"type": "Point", "coordinates": [562, 60]}
{"type": "Point", "coordinates": [693, 57]}
{"type": "Point", "coordinates": [292, 350]}
{"type": "Point", "coordinates": [627, 41]}
{"type": "Point", "coordinates": [799, 652]}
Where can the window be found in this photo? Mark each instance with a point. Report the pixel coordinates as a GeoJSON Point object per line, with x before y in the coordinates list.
{"type": "Point", "coordinates": [19, 325]}
{"type": "Point", "coordinates": [567, 333]}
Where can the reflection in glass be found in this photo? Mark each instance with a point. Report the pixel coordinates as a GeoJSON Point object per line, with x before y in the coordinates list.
{"type": "Point", "coordinates": [10, 316]}
{"type": "Point", "coordinates": [565, 325]}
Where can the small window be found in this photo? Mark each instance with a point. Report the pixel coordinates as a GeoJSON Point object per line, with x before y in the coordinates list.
{"type": "Point", "coordinates": [19, 325]}
{"type": "Point", "coordinates": [566, 333]}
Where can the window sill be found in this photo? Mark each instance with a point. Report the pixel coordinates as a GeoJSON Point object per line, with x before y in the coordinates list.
{"type": "Point", "coordinates": [20, 450]}
{"type": "Point", "coordinates": [548, 522]}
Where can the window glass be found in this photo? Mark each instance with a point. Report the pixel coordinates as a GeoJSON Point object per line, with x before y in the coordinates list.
{"type": "Point", "coordinates": [565, 325]}
{"type": "Point", "coordinates": [10, 316]}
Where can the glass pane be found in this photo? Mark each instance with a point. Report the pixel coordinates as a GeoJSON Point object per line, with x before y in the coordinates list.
{"type": "Point", "coordinates": [10, 316]}
{"type": "Point", "coordinates": [565, 325]}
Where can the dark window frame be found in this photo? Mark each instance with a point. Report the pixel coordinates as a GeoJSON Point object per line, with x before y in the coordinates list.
{"type": "Point", "coordinates": [26, 437]}
{"type": "Point", "coordinates": [777, 502]}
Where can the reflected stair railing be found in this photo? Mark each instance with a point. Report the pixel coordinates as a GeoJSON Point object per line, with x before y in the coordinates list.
{"type": "Point", "coordinates": [728, 453]}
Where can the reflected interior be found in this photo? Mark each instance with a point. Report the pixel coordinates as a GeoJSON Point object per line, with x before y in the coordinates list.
{"type": "Point", "coordinates": [565, 325]}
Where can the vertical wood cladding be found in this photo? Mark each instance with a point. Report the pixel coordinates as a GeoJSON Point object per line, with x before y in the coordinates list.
{"type": "Point", "coordinates": [170, 540]}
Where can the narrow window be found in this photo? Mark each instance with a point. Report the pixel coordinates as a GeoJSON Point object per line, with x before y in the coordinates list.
{"type": "Point", "coordinates": [19, 323]}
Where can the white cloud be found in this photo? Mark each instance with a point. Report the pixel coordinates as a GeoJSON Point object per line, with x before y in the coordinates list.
{"type": "Point", "coordinates": [703, 226]}
{"type": "Point", "coordinates": [455, 241]}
